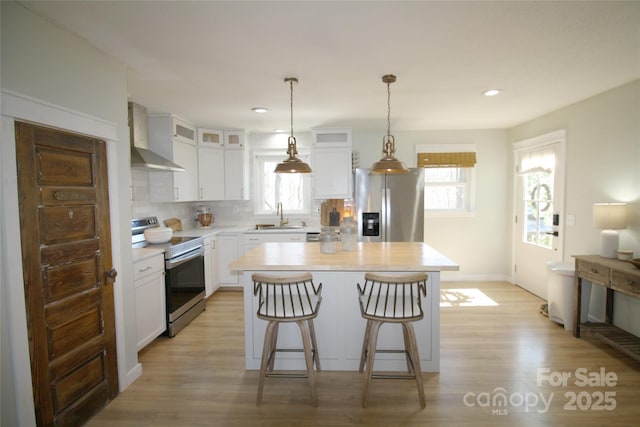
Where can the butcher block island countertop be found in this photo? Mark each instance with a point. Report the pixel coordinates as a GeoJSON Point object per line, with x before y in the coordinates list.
{"type": "Point", "coordinates": [339, 326]}
{"type": "Point", "coordinates": [386, 256]}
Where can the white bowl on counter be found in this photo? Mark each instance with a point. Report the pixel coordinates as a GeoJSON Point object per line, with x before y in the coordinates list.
{"type": "Point", "coordinates": [158, 234]}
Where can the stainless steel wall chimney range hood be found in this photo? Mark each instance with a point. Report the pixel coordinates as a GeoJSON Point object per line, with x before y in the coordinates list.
{"type": "Point", "coordinates": [141, 157]}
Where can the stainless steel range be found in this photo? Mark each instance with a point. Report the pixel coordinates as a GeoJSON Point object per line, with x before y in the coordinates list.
{"type": "Point", "coordinates": [184, 273]}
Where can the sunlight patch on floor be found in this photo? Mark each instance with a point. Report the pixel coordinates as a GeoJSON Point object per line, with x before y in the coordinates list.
{"type": "Point", "coordinates": [471, 297]}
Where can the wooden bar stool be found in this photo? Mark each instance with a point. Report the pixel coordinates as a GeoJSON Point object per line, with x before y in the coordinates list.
{"type": "Point", "coordinates": [288, 299]}
{"type": "Point", "coordinates": [392, 298]}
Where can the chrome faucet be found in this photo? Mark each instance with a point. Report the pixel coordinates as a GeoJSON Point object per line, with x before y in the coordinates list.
{"type": "Point", "coordinates": [280, 211]}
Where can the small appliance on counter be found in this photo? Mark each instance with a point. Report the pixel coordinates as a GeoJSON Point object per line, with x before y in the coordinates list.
{"type": "Point", "coordinates": [205, 217]}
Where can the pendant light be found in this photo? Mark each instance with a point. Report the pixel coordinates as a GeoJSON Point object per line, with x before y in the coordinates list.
{"type": "Point", "coordinates": [388, 163]}
{"type": "Point", "coordinates": [292, 164]}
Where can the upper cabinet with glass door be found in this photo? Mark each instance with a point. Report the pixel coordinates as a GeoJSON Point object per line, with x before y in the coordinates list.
{"type": "Point", "coordinates": [234, 139]}
{"type": "Point", "coordinates": [210, 164]}
{"type": "Point", "coordinates": [210, 138]}
{"type": "Point", "coordinates": [174, 139]}
{"type": "Point", "coordinates": [183, 131]}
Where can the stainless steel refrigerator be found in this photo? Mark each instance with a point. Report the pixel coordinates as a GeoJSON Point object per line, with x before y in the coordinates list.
{"type": "Point", "coordinates": [390, 208]}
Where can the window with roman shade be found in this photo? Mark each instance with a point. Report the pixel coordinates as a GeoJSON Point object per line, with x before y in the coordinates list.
{"type": "Point", "coordinates": [449, 177]}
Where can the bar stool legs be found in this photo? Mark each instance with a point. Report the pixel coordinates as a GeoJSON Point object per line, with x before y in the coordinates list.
{"type": "Point", "coordinates": [411, 352]}
{"type": "Point", "coordinates": [311, 357]}
{"type": "Point", "coordinates": [369, 347]}
{"type": "Point", "coordinates": [267, 356]}
{"type": "Point", "coordinates": [392, 299]}
{"type": "Point", "coordinates": [291, 299]}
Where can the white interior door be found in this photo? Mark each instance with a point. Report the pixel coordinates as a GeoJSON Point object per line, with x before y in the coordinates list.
{"type": "Point", "coordinates": [539, 202]}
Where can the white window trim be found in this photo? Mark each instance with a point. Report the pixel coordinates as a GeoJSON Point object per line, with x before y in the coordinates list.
{"type": "Point", "coordinates": [304, 155]}
{"type": "Point", "coordinates": [446, 148]}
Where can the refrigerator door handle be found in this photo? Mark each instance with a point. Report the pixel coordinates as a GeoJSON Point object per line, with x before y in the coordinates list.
{"type": "Point", "coordinates": [384, 212]}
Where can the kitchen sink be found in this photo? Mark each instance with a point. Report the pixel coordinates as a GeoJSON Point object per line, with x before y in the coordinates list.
{"type": "Point", "coordinates": [278, 227]}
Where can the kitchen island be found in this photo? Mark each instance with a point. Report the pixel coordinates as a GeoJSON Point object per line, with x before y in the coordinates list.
{"type": "Point", "coordinates": [339, 326]}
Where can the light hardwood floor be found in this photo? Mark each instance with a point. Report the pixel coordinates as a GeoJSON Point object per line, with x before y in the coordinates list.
{"type": "Point", "coordinates": [198, 377]}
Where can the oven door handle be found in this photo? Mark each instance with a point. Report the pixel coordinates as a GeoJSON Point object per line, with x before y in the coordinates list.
{"type": "Point", "coordinates": [174, 262]}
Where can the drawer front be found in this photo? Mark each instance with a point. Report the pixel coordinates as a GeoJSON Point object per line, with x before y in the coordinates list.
{"type": "Point", "coordinates": [148, 266]}
{"type": "Point", "coordinates": [594, 273]}
{"type": "Point", "coordinates": [257, 238]}
{"type": "Point", "coordinates": [254, 239]}
{"type": "Point", "coordinates": [626, 283]}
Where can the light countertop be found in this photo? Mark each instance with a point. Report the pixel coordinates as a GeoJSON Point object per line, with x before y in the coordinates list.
{"type": "Point", "coordinates": [241, 229]}
{"type": "Point", "coordinates": [210, 231]}
{"type": "Point", "coordinates": [387, 256]}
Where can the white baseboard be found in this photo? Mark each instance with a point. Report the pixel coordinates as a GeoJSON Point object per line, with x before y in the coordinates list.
{"type": "Point", "coordinates": [131, 377]}
{"type": "Point", "coordinates": [446, 276]}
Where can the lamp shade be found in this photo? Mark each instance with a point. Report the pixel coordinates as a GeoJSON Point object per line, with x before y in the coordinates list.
{"type": "Point", "coordinates": [610, 216]}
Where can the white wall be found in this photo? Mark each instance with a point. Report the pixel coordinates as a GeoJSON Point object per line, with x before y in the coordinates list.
{"type": "Point", "coordinates": [603, 165]}
{"type": "Point", "coordinates": [478, 243]}
{"type": "Point", "coordinates": [46, 63]}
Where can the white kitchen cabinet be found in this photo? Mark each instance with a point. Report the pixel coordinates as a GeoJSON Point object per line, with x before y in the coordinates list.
{"type": "Point", "coordinates": [332, 164]}
{"type": "Point", "coordinates": [236, 179]}
{"type": "Point", "coordinates": [214, 263]}
{"type": "Point", "coordinates": [211, 280]}
{"type": "Point", "coordinates": [210, 138]}
{"type": "Point", "coordinates": [227, 247]}
{"type": "Point", "coordinates": [331, 137]}
{"type": "Point", "coordinates": [251, 240]}
{"type": "Point", "coordinates": [173, 138]}
{"type": "Point", "coordinates": [234, 139]}
{"type": "Point", "coordinates": [222, 165]}
{"type": "Point", "coordinates": [210, 173]}
{"type": "Point", "coordinates": [183, 131]}
{"type": "Point", "coordinates": [332, 173]}
{"type": "Point", "coordinates": [148, 276]}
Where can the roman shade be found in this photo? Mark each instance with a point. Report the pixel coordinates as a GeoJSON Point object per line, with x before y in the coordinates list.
{"type": "Point", "coordinates": [464, 159]}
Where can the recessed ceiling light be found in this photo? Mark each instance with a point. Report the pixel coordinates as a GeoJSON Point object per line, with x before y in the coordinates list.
{"type": "Point", "coordinates": [278, 130]}
{"type": "Point", "coordinates": [259, 110]}
{"type": "Point", "coordinates": [491, 92]}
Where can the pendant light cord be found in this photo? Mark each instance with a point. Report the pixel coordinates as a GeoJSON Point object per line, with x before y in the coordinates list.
{"type": "Point", "coordinates": [291, 81]}
{"type": "Point", "coordinates": [388, 143]}
{"type": "Point", "coordinates": [388, 109]}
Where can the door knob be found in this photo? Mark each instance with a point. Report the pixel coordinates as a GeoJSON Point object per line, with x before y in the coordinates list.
{"type": "Point", "coordinates": [111, 274]}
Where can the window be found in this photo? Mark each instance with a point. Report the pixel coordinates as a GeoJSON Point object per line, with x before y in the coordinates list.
{"type": "Point", "coordinates": [537, 170]}
{"type": "Point", "coordinates": [292, 189]}
{"type": "Point", "coordinates": [448, 178]}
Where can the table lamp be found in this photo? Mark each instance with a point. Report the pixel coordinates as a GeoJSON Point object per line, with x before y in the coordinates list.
{"type": "Point", "coordinates": [609, 217]}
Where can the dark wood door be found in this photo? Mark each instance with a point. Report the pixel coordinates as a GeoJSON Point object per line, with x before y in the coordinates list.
{"type": "Point", "coordinates": [68, 275]}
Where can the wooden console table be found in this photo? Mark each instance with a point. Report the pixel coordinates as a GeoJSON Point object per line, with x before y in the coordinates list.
{"type": "Point", "coordinates": [615, 276]}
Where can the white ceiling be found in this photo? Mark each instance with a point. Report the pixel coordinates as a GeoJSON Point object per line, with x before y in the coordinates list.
{"type": "Point", "coordinates": [210, 62]}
